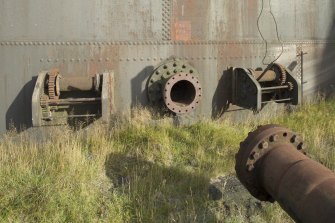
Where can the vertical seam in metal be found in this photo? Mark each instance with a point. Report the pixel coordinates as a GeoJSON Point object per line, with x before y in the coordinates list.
{"type": "Point", "coordinates": [166, 19]}
{"type": "Point", "coordinates": [298, 52]}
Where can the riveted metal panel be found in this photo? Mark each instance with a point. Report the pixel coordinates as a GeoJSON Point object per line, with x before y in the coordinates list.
{"type": "Point", "coordinates": [298, 20]}
{"type": "Point", "coordinates": [318, 75]}
{"type": "Point", "coordinates": [214, 20]}
{"type": "Point", "coordinates": [314, 19]}
{"type": "Point", "coordinates": [80, 20]}
{"type": "Point", "coordinates": [131, 37]}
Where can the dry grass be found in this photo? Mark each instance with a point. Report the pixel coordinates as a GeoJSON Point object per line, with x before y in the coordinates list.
{"type": "Point", "coordinates": [139, 170]}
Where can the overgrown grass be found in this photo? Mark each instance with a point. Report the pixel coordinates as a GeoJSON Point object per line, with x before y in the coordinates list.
{"type": "Point", "coordinates": [140, 171]}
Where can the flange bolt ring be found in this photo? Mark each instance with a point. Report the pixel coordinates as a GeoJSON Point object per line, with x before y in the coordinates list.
{"type": "Point", "coordinates": [182, 93]}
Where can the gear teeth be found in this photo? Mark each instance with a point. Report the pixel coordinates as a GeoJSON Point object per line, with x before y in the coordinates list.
{"type": "Point", "coordinates": [52, 84]}
{"type": "Point", "coordinates": [290, 86]}
{"type": "Point", "coordinates": [283, 73]}
{"type": "Point", "coordinates": [44, 101]}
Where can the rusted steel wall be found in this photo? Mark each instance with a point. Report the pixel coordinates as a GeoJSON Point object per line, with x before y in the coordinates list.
{"type": "Point", "coordinates": [131, 37]}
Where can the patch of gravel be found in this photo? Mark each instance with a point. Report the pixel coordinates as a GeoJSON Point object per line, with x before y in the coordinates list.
{"type": "Point", "coordinates": [235, 198]}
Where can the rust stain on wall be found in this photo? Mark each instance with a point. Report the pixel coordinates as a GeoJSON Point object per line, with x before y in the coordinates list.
{"type": "Point", "coordinates": [189, 20]}
{"type": "Point", "coordinates": [182, 31]}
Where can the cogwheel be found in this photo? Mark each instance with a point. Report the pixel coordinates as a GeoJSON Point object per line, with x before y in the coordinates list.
{"type": "Point", "coordinates": [282, 70]}
{"type": "Point", "coordinates": [44, 101]}
{"type": "Point", "coordinates": [52, 84]}
{"type": "Point", "coordinates": [290, 86]}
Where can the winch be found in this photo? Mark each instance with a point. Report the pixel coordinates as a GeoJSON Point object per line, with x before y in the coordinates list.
{"type": "Point", "coordinates": [253, 89]}
{"type": "Point", "coordinates": [61, 99]}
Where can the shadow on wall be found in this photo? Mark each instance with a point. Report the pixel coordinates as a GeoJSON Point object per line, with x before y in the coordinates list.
{"type": "Point", "coordinates": [18, 115]}
{"type": "Point", "coordinates": [222, 95]}
{"type": "Point", "coordinates": [138, 93]}
{"type": "Point", "coordinates": [158, 193]}
{"type": "Point", "coordinates": [325, 79]}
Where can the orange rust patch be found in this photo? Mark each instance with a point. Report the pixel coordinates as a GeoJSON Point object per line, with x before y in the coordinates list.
{"type": "Point", "coordinates": [182, 31]}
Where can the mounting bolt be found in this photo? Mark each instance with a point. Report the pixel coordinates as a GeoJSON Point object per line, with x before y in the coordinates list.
{"type": "Point", "coordinates": [301, 146]}
{"type": "Point", "coordinates": [264, 145]}
{"type": "Point", "coordinates": [294, 139]}
{"type": "Point", "coordinates": [254, 155]}
{"type": "Point", "coordinates": [274, 138]}
{"type": "Point", "coordinates": [250, 167]}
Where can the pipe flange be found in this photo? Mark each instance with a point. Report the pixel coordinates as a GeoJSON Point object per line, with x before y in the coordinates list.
{"type": "Point", "coordinates": [160, 76]}
{"type": "Point", "coordinates": [174, 97]}
{"type": "Point", "coordinates": [254, 147]}
{"type": "Point", "coordinates": [53, 84]}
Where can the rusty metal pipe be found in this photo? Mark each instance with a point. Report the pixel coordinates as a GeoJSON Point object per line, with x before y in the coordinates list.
{"type": "Point", "coordinates": [72, 101]}
{"type": "Point", "coordinates": [272, 165]}
{"type": "Point", "coordinates": [266, 76]}
{"type": "Point", "coordinates": [274, 88]}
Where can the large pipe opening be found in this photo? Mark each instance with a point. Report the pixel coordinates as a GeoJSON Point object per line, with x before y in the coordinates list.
{"type": "Point", "coordinates": [183, 93]}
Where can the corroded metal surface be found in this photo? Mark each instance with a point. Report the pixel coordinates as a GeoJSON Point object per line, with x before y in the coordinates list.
{"type": "Point", "coordinates": [132, 37]}
{"type": "Point", "coordinates": [182, 93]}
{"type": "Point", "coordinates": [174, 85]}
{"type": "Point", "coordinates": [272, 165]}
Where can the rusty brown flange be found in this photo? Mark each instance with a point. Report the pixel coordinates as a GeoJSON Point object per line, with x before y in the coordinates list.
{"type": "Point", "coordinates": [174, 87]}
{"type": "Point", "coordinates": [182, 93]}
{"type": "Point", "coordinates": [272, 165]}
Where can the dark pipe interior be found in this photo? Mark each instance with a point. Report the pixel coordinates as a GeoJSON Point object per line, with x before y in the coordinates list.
{"type": "Point", "coordinates": [183, 93]}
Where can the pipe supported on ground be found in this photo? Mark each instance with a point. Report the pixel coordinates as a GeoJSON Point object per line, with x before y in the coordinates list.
{"type": "Point", "coordinates": [272, 165]}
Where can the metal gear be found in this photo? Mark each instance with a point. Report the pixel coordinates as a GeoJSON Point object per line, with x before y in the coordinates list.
{"type": "Point", "coordinates": [44, 101]}
{"type": "Point", "coordinates": [53, 88]}
{"type": "Point", "coordinates": [45, 108]}
{"type": "Point", "coordinates": [282, 70]}
{"type": "Point", "coordinates": [290, 86]}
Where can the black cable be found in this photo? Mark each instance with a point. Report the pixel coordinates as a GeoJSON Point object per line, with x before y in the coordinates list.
{"type": "Point", "coordinates": [260, 32]}
{"type": "Point", "coordinates": [264, 40]}
{"type": "Point", "coordinates": [278, 38]}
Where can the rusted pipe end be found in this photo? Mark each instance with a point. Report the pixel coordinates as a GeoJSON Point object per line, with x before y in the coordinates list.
{"type": "Point", "coordinates": [182, 93]}
{"type": "Point", "coordinates": [257, 145]}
